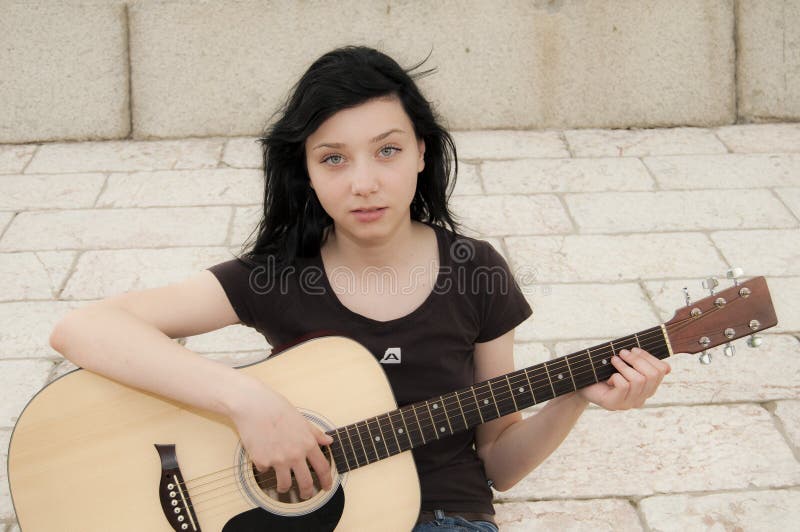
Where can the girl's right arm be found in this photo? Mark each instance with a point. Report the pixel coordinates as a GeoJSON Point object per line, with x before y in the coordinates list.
{"type": "Point", "coordinates": [128, 338]}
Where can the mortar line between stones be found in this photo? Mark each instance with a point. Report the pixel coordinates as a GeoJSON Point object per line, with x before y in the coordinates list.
{"type": "Point", "coordinates": [736, 47]}
{"type": "Point", "coordinates": [771, 407]}
{"type": "Point", "coordinates": [102, 190]}
{"type": "Point", "coordinates": [69, 275]}
{"type": "Point", "coordinates": [778, 196]}
{"type": "Point", "coordinates": [8, 225]}
{"type": "Point", "coordinates": [35, 151]}
{"type": "Point", "coordinates": [127, 37]}
{"type": "Point", "coordinates": [640, 514]}
{"type": "Point", "coordinates": [656, 183]}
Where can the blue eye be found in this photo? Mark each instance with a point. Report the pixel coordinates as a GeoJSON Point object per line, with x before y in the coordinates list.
{"type": "Point", "coordinates": [330, 158]}
{"type": "Point", "coordinates": [392, 151]}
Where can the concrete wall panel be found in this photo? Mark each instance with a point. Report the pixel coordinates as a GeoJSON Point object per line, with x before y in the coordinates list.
{"type": "Point", "coordinates": [212, 68]}
{"type": "Point", "coordinates": [63, 71]}
{"type": "Point", "coordinates": [768, 60]}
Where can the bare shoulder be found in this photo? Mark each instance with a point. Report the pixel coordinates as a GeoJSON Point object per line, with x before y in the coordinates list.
{"type": "Point", "coordinates": [193, 306]}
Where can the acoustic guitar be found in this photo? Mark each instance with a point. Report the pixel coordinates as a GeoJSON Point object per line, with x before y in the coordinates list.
{"type": "Point", "coordinates": [90, 454]}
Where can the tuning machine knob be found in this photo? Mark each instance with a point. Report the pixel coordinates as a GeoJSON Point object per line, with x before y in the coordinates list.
{"type": "Point", "coordinates": [705, 357]}
{"type": "Point", "coordinates": [734, 274]}
{"type": "Point", "coordinates": [754, 340]}
{"type": "Point", "coordinates": [710, 284]}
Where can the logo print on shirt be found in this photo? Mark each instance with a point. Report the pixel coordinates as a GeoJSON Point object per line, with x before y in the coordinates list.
{"type": "Point", "coordinates": [392, 356]}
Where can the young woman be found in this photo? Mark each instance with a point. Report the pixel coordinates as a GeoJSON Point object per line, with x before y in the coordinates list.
{"type": "Point", "coordinates": [358, 172]}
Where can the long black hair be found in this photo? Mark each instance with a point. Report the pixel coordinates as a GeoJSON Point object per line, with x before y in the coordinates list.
{"type": "Point", "coordinates": [293, 223]}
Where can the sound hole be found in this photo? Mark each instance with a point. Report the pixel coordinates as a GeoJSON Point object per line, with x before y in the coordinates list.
{"type": "Point", "coordinates": [268, 483]}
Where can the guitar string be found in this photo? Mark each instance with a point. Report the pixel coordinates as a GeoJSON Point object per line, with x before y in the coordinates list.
{"type": "Point", "coordinates": [482, 389]}
{"type": "Point", "coordinates": [506, 397]}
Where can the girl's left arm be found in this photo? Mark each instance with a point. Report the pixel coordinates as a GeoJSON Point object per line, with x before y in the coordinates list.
{"type": "Point", "coordinates": [511, 447]}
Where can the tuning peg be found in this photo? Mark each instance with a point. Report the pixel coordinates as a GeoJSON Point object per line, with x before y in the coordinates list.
{"type": "Point", "coordinates": [687, 296]}
{"type": "Point", "coordinates": [734, 274]}
{"type": "Point", "coordinates": [754, 341]}
{"type": "Point", "coordinates": [729, 349]}
{"type": "Point", "coordinates": [710, 284]}
{"type": "Point", "coordinates": [705, 358]}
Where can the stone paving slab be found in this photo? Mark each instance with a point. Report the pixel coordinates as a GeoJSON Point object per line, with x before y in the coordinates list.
{"type": "Point", "coordinates": [791, 197]}
{"type": "Point", "coordinates": [19, 382]}
{"type": "Point", "coordinates": [562, 311]}
{"type": "Point", "coordinates": [642, 142]}
{"type": "Point", "coordinates": [596, 515]}
{"type": "Point", "coordinates": [104, 273]}
{"type": "Point", "coordinates": [34, 192]}
{"type": "Point", "coordinates": [664, 450]}
{"type": "Point", "coordinates": [597, 258]}
{"type": "Point", "coordinates": [117, 228]}
{"type": "Point", "coordinates": [45, 272]}
{"type": "Point", "coordinates": [508, 144]}
{"type": "Point", "coordinates": [725, 171]}
{"type": "Point", "coordinates": [526, 176]}
{"type": "Point", "coordinates": [678, 211]}
{"type": "Point", "coordinates": [27, 326]}
{"type": "Point", "coordinates": [14, 158]}
{"type": "Point", "coordinates": [771, 372]}
{"type": "Point", "coordinates": [767, 138]}
{"type": "Point", "coordinates": [6, 509]}
{"type": "Point", "coordinates": [243, 152]}
{"type": "Point", "coordinates": [766, 252]}
{"type": "Point", "coordinates": [224, 186]}
{"type": "Point", "coordinates": [667, 296]}
{"type": "Point", "coordinates": [742, 510]}
{"type": "Point", "coordinates": [511, 215]}
{"type": "Point", "coordinates": [126, 156]}
{"type": "Point", "coordinates": [245, 220]}
{"type": "Point", "coordinates": [788, 412]}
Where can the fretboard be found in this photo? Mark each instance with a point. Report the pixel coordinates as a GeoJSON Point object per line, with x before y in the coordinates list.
{"type": "Point", "coordinates": [410, 426]}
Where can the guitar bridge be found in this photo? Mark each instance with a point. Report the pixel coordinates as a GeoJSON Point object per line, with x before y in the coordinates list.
{"type": "Point", "coordinates": [172, 492]}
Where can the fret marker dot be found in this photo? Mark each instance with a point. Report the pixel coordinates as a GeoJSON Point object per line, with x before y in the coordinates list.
{"type": "Point", "coordinates": [560, 376]}
{"type": "Point", "coordinates": [605, 361]}
{"type": "Point", "coordinates": [486, 401]}
{"type": "Point", "coordinates": [441, 429]}
{"type": "Point", "coordinates": [435, 406]}
{"type": "Point", "coordinates": [400, 431]}
{"type": "Point", "coordinates": [521, 390]}
{"type": "Point", "coordinates": [377, 438]}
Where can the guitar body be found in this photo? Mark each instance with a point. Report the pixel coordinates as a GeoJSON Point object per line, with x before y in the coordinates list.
{"type": "Point", "coordinates": [83, 458]}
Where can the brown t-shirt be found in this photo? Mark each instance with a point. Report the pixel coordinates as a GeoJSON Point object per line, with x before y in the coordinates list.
{"type": "Point", "coordinates": [425, 353]}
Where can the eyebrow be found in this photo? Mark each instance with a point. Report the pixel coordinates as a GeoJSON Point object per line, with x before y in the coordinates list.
{"type": "Point", "coordinates": [372, 141]}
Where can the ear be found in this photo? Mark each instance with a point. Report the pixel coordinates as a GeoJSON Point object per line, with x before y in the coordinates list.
{"type": "Point", "coordinates": [421, 149]}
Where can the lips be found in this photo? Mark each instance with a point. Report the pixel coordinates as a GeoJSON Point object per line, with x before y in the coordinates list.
{"type": "Point", "coordinates": [368, 209]}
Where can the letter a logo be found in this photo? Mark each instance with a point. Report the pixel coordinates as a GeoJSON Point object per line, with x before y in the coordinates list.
{"type": "Point", "coordinates": [392, 356]}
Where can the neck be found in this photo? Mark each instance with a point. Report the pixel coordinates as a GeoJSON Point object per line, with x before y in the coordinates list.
{"type": "Point", "coordinates": [359, 253]}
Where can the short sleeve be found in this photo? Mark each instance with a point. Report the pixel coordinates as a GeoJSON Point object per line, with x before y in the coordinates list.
{"type": "Point", "coordinates": [503, 305]}
{"type": "Point", "coordinates": [234, 276]}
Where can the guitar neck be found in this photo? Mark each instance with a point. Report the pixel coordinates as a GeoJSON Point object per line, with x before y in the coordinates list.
{"type": "Point", "coordinates": [380, 437]}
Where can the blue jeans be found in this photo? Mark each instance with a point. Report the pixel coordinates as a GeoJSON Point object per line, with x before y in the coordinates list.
{"type": "Point", "coordinates": [444, 523]}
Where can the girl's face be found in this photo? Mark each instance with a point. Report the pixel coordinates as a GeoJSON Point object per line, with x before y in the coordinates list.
{"type": "Point", "coordinates": [363, 164]}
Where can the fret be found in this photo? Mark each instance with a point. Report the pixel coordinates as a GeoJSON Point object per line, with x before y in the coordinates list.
{"type": "Point", "coordinates": [571, 375]}
{"type": "Point", "coordinates": [404, 429]}
{"type": "Point", "coordinates": [461, 408]}
{"type": "Point", "coordinates": [486, 403]}
{"type": "Point", "coordinates": [477, 404]}
{"type": "Point", "coordinates": [518, 383]}
{"type": "Point", "coordinates": [421, 432]}
{"type": "Point", "coordinates": [511, 390]}
{"type": "Point", "coordinates": [433, 421]}
{"type": "Point", "coordinates": [530, 386]}
{"type": "Point", "coordinates": [446, 415]}
{"type": "Point", "coordinates": [380, 438]}
{"type": "Point", "coordinates": [589, 356]}
{"type": "Point", "coordinates": [547, 371]}
{"type": "Point", "coordinates": [365, 437]}
{"type": "Point", "coordinates": [371, 438]}
{"type": "Point", "coordinates": [340, 441]}
{"type": "Point", "coordinates": [561, 384]}
{"type": "Point", "coordinates": [494, 399]}
{"type": "Point", "coordinates": [359, 463]}
{"type": "Point", "coordinates": [639, 345]}
{"type": "Point", "coordinates": [394, 433]}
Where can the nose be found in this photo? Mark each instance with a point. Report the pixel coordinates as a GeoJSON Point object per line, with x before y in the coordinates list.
{"type": "Point", "coordinates": [364, 179]}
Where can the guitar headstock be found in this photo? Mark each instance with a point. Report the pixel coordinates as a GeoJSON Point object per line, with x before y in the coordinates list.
{"type": "Point", "coordinates": [741, 310]}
